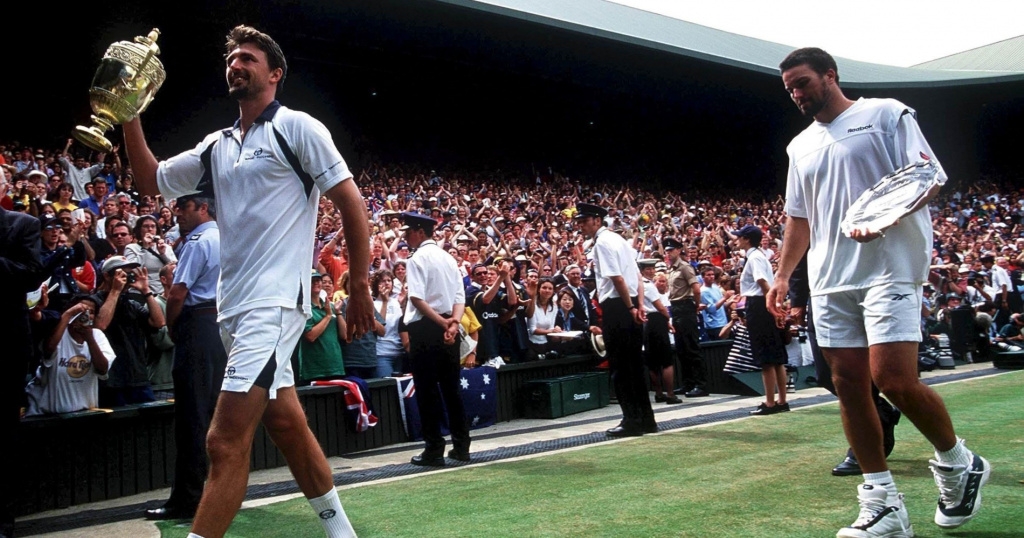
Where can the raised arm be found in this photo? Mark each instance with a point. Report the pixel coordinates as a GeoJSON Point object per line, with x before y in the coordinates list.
{"type": "Point", "coordinates": [141, 158]}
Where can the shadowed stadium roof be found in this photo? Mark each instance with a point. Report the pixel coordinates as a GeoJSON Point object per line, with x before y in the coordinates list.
{"type": "Point", "coordinates": [629, 25]}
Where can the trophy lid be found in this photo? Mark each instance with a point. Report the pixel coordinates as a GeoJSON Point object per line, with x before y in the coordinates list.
{"type": "Point", "coordinates": [142, 55]}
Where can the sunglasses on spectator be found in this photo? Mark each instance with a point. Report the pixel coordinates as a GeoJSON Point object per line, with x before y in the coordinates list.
{"type": "Point", "coordinates": [122, 234]}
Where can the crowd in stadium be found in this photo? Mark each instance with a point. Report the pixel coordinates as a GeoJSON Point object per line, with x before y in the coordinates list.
{"type": "Point", "coordinates": [507, 231]}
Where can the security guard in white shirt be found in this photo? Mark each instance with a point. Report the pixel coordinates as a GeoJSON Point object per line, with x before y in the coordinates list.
{"type": "Point", "coordinates": [436, 304]}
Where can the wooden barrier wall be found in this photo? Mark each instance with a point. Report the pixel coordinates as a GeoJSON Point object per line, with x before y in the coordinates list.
{"type": "Point", "coordinates": [91, 456]}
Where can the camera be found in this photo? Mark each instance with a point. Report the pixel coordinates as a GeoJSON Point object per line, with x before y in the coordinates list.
{"type": "Point", "coordinates": [130, 277]}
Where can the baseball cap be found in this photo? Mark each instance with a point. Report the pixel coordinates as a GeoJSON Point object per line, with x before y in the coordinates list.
{"type": "Point", "coordinates": [117, 262]}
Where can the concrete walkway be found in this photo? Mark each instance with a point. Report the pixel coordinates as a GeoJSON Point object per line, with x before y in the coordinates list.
{"type": "Point", "coordinates": [521, 438]}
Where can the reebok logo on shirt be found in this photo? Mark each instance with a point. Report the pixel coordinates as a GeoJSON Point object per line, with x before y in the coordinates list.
{"type": "Point", "coordinates": [862, 128]}
{"type": "Point", "coordinates": [900, 296]}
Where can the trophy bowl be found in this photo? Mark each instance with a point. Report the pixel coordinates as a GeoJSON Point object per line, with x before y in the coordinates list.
{"type": "Point", "coordinates": [124, 85]}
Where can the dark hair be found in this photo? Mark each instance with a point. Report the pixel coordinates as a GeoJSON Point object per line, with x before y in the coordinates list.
{"type": "Point", "coordinates": [243, 34]}
{"type": "Point", "coordinates": [137, 232]}
{"type": "Point", "coordinates": [376, 279]}
{"type": "Point", "coordinates": [818, 60]}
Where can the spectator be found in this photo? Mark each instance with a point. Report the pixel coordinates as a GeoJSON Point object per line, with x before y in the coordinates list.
{"type": "Point", "coordinates": [111, 209]}
{"type": "Point", "coordinates": [120, 237]}
{"type": "Point", "coordinates": [98, 197]}
{"type": "Point", "coordinates": [129, 312]}
{"type": "Point", "coordinates": [360, 354]}
{"type": "Point", "coordinates": [714, 298]}
{"type": "Point", "coordinates": [60, 258]}
{"type": "Point", "coordinates": [320, 355]}
{"type": "Point", "coordinates": [1011, 334]}
{"type": "Point", "coordinates": [583, 308]}
{"type": "Point", "coordinates": [78, 171]}
{"type": "Point", "coordinates": [390, 353]}
{"type": "Point", "coordinates": [542, 322]}
{"type": "Point", "coordinates": [63, 198]}
{"type": "Point", "coordinates": [150, 251]}
{"type": "Point", "coordinates": [493, 307]}
{"type": "Point", "coordinates": [77, 357]}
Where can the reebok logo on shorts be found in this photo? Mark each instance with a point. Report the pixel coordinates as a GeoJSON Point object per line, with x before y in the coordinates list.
{"type": "Point", "coordinates": [900, 296]}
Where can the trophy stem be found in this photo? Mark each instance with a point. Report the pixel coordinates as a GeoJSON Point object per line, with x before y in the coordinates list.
{"type": "Point", "coordinates": [92, 136]}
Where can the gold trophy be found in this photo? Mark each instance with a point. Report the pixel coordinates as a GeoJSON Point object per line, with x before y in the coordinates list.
{"type": "Point", "coordinates": [123, 86]}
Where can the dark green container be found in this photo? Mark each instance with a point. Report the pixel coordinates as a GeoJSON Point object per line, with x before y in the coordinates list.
{"type": "Point", "coordinates": [566, 395]}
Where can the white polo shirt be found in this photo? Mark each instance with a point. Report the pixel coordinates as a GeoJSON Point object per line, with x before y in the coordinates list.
{"type": "Point", "coordinates": [433, 275]}
{"type": "Point", "coordinates": [267, 187]}
{"type": "Point", "coordinates": [614, 257]}
{"type": "Point", "coordinates": [830, 165]}
{"type": "Point", "coordinates": [757, 267]}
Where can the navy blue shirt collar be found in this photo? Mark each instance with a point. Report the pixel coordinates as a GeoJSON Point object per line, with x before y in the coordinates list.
{"type": "Point", "coordinates": [267, 115]}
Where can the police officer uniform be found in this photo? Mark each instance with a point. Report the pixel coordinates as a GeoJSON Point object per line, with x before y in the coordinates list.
{"type": "Point", "coordinates": [199, 363]}
{"type": "Point", "coordinates": [433, 277]}
{"type": "Point", "coordinates": [623, 337]}
{"type": "Point", "coordinates": [683, 307]}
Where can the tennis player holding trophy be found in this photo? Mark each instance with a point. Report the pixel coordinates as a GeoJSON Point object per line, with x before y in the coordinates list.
{"type": "Point", "coordinates": [868, 259]}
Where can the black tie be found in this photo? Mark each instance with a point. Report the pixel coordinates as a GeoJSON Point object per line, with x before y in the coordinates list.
{"type": "Point", "coordinates": [583, 302]}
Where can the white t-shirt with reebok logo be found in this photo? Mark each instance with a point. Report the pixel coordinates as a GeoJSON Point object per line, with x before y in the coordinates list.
{"type": "Point", "coordinates": [830, 165]}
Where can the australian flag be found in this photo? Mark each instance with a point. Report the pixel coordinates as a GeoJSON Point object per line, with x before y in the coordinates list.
{"type": "Point", "coordinates": [479, 391]}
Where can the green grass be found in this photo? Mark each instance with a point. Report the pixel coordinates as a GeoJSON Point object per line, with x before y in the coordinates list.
{"type": "Point", "coordinates": [767, 476]}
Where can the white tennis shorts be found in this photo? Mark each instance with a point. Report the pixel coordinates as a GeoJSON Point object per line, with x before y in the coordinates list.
{"type": "Point", "coordinates": [865, 317]}
{"type": "Point", "coordinates": [261, 341]}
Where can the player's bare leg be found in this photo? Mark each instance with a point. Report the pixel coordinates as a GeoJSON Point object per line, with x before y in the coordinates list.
{"type": "Point", "coordinates": [894, 370]}
{"type": "Point", "coordinates": [228, 444]}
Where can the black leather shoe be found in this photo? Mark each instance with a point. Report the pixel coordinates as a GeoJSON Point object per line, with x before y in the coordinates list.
{"type": "Point", "coordinates": [170, 511]}
{"type": "Point", "coordinates": [848, 467]}
{"type": "Point", "coordinates": [696, 392]}
{"type": "Point", "coordinates": [622, 431]}
{"type": "Point", "coordinates": [458, 455]}
{"type": "Point", "coordinates": [682, 390]}
{"type": "Point", "coordinates": [659, 398]}
{"type": "Point", "coordinates": [650, 428]}
{"type": "Point", "coordinates": [426, 460]}
{"type": "Point", "coordinates": [763, 409]}
{"type": "Point", "coordinates": [673, 400]}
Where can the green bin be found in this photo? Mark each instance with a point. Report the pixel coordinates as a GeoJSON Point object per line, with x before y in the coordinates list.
{"type": "Point", "coordinates": [566, 395]}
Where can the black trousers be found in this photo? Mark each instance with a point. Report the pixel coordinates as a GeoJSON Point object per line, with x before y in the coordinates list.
{"type": "Point", "coordinates": [684, 320]}
{"type": "Point", "coordinates": [623, 340]}
{"type": "Point", "coordinates": [435, 370]}
{"type": "Point", "coordinates": [198, 371]}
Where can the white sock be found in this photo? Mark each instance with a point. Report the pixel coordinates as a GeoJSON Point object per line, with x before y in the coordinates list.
{"type": "Point", "coordinates": [193, 535]}
{"type": "Point", "coordinates": [958, 455]}
{"type": "Point", "coordinates": [883, 479]}
{"type": "Point", "coordinates": [332, 515]}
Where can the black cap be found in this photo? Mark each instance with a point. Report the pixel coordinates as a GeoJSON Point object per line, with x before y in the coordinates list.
{"type": "Point", "coordinates": [204, 189]}
{"type": "Point", "coordinates": [418, 221]}
{"type": "Point", "coordinates": [48, 221]}
{"type": "Point", "coordinates": [590, 210]}
{"type": "Point", "coordinates": [671, 243]}
{"type": "Point", "coordinates": [751, 232]}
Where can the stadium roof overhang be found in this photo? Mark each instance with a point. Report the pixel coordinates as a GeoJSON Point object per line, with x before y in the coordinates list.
{"type": "Point", "coordinates": [616, 22]}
